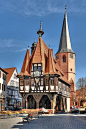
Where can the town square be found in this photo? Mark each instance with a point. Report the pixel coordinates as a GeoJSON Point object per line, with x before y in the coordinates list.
{"type": "Point", "coordinates": [42, 64]}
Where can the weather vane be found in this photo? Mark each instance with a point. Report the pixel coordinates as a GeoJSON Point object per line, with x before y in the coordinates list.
{"type": "Point", "coordinates": [65, 6]}
{"type": "Point", "coordinates": [34, 39]}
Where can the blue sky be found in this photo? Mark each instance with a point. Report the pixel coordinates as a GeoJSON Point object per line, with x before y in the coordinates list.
{"type": "Point", "coordinates": [20, 21]}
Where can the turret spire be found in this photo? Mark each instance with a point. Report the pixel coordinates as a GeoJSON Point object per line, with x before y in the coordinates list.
{"type": "Point", "coordinates": [40, 32]}
{"type": "Point", "coordinates": [65, 43]}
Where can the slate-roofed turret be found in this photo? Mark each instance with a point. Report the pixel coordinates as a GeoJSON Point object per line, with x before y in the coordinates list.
{"type": "Point", "coordinates": [65, 43]}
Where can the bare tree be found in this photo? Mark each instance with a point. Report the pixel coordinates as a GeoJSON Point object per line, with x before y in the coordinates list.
{"type": "Point", "coordinates": [81, 83]}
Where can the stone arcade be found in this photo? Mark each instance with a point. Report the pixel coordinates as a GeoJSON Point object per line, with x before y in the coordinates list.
{"type": "Point", "coordinates": [42, 83]}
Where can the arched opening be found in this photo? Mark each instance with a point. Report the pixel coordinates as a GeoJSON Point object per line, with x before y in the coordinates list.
{"type": "Point", "coordinates": [45, 102]}
{"type": "Point", "coordinates": [31, 102]}
{"type": "Point", "coordinates": [64, 58]}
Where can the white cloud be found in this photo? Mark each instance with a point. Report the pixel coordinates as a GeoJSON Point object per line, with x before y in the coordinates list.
{"type": "Point", "coordinates": [12, 45]}
{"type": "Point", "coordinates": [19, 50]}
{"type": "Point", "coordinates": [6, 43]}
{"type": "Point", "coordinates": [42, 7]}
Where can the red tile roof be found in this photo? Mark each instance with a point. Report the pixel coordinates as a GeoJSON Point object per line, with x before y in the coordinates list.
{"type": "Point", "coordinates": [26, 64]}
{"type": "Point", "coordinates": [42, 54]}
{"type": "Point", "coordinates": [10, 72]}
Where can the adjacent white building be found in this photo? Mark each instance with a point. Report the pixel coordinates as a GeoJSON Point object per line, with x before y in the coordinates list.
{"type": "Point", "coordinates": [3, 88]}
{"type": "Point", "coordinates": [13, 97]}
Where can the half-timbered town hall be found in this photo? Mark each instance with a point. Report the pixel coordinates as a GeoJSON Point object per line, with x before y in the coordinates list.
{"type": "Point", "coordinates": [45, 81]}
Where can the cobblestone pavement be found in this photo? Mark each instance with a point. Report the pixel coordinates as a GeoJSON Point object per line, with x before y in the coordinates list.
{"type": "Point", "coordinates": [57, 121]}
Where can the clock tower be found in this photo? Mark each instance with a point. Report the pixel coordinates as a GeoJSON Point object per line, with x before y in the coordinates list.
{"type": "Point", "coordinates": [65, 56]}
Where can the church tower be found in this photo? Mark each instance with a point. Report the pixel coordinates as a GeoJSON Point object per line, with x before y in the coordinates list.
{"type": "Point", "coordinates": [65, 56]}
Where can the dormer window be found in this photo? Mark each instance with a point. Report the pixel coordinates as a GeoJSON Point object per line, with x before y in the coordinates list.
{"type": "Point", "coordinates": [64, 58]}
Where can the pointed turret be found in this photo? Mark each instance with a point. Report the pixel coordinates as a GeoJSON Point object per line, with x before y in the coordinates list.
{"type": "Point", "coordinates": [40, 32]}
{"type": "Point", "coordinates": [25, 67]}
{"type": "Point", "coordinates": [65, 43]}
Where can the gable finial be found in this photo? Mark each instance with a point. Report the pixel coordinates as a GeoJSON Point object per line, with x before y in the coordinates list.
{"type": "Point", "coordinates": [34, 40]}
{"type": "Point", "coordinates": [49, 46]}
{"type": "Point", "coordinates": [40, 32]}
{"type": "Point", "coordinates": [41, 24]}
{"type": "Point", "coordinates": [28, 47]}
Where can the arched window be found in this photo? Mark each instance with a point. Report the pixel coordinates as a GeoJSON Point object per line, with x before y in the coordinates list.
{"type": "Point", "coordinates": [64, 59]}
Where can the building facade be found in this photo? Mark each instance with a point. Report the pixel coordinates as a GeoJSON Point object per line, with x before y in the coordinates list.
{"type": "Point", "coordinates": [3, 89]}
{"type": "Point", "coordinates": [13, 98]}
{"type": "Point", "coordinates": [43, 80]}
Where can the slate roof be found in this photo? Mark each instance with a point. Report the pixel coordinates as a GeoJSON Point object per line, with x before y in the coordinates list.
{"type": "Point", "coordinates": [10, 72]}
{"type": "Point", "coordinates": [65, 43]}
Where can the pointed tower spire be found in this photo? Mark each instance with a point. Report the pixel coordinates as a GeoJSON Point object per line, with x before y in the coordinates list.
{"type": "Point", "coordinates": [40, 32]}
{"type": "Point", "coordinates": [65, 43]}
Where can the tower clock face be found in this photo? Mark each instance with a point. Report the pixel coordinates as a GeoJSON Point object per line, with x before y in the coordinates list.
{"type": "Point", "coordinates": [37, 73]}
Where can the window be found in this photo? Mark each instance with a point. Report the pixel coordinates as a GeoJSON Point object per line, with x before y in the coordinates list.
{"type": "Point", "coordinates": [56, 81]}
{"type": "Point", "coordinates": [52, 82]}
{"type": "Point", "coordinates": [71, 55]}
{"type": "Point", "coordinates": [0, 74]}
{"type": "Point", "coordinates": [39, 68]}
{"type": "Point", "coordinates": [4, 87]}
{"type": "Point", "coordinates": [0, 86]}
{"type": "Point", "coordinates": [41, 81]}
{"type": "Point", "coordinates": [57, 57]}
{"type": "Point", "coordinates": [14, 75]}
{"type": "Point", "coordinates": [27, 82]}
{"type": "Point", "coordinates": [21, 82]}
{"type": "Point", "coordinates": [4, 77]}
{"type": "Point", "coordinates": [9, 92]}
{"type": "Point", "coordinates": [64, 59]}
{"type": "Point", "coordinates": [46, 81]}
{"type": "Point", "coordinates": [71, 69]}
{"type": "Point", "coordinates": [32, 82]}
{"type": "Point", "coordinates": [35, 67]}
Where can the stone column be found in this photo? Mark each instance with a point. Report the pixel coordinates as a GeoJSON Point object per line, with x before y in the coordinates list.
{"type": "Point", "coordinates": [26, 104]}
{"type": "Point", "coordinates": [51, 104]}
{"type": "Point", "coordinates": [68, 104]}
{"type": "Point", "coordinates": [64, 103]}
{"type": "Point", "coordinates": [23, 103]}
{"type": "Point", "coordinates": [37, 104]}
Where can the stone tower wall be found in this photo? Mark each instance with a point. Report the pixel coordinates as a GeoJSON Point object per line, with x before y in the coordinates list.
{"type": "Point", "coordinates": [67, 67]}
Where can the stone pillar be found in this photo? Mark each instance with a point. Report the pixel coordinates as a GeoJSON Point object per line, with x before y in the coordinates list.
{"type": "Point", "coordinates": [53, 103]}
{"type": "Point", "coordinates": [68, 104]}
{"type": "Point", "coordinates": [37, 104]}
{"type": "Point", "coordinates": [26, 104]}
{"type": "Point", "coordinates": [64, 103]}
{"type": "Point", "coordinates": [23, 103]}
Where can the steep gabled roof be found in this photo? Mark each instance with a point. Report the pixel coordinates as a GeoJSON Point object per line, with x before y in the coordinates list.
{"type": "Point", "coordinates": [50, 67]}
{"type": "Point", "coordinates": [26, 64]}
{"type": "Point", "coordinates": [10, 72]}
{"type": "Point", "coordinates": [65, 43]}
{"type": "Point", "coordinates": [3, 70]}
{"type": "Point", "coordinates": [39, 54]}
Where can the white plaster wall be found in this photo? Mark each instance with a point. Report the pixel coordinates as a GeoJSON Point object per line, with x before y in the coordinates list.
{"type": "Point", "coordinates": [14, 79]}
{"type": "Point", "coordinates": [4, 82]}
{"type": "Point", "coordinates": [68, 104]}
